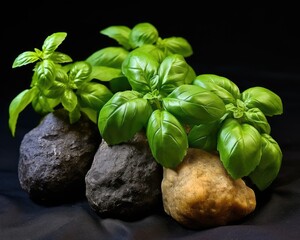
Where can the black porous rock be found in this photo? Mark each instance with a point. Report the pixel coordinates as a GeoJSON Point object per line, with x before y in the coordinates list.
{"type": "Point", "coordinates": [124, 181]}
{"type": "Point", "coordinates": [55, 157]}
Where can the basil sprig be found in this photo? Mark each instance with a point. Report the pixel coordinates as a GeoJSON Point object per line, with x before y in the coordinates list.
{"type": "Point", "coordinates": [242, 135]}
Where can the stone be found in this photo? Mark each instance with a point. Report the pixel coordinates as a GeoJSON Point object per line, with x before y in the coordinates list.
{"type": "Point", "coordinates": [55, 157]}
{"type": "Point", "coordinates": [124, 181]}
{"type": "Point", "coordinates": [199, 193]}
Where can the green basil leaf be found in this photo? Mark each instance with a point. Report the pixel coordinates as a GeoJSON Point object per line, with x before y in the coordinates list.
{"type": "Point", "coordinates": [264, 99]}
{"type": "Point", "coordinates": [204, 136]}
{"type": "Point", "coordinates": [43, 105]}
{"type": "Point", "coordinates": [69, 100]}
{"type": "Point", "coordinates": [123, 116]}
{"type": "Point", "coordinates": [46, 74]}
{"type": "Point", "coordinates": [52, 42]}
{"type": "Point", "coordinates": [267, 170]}
{"type": "Point", "coordinates": [140, 68]}
{"type": "Point", "coordinates": [80, 72]}
{"type": "Point", "coordinates": [90, 113]}
{"type": "Point", "coordinates": [175, 45]}
{"type": "Point", "coordinates": [118, 33]}
{"type": "Point", "coordinates": [223, 87]}
{"type": "Point", "coordinates": [75, 115]}
{"type": "Point", "coordinates": [55, 91]}
{"type": "Point", "coordinates": [173, 72]}
{"type": "Point", "coordinates": [257, 119]}
{"type": "Point", "coordinates": [59, 57]}
{"type": "Point", "coordinates": [239, 146]}
{"type": "Point", "coordinates": [108, 57]}
{"type": "Point", "coordinates": [105, 73]}
{"type": "Point", "coordinates": [17, 105]}
{"type": "Point", "coordinates": [153, 50]}
{"type": "Point", "coordinates": [194, 105]}
{"type": "Point", "coordinates": [167, 138]}
{"type": "Point", "coordinates": [93, 95]}
{"type": "Point", "coordinates": [143, 33]}
{"type": "Point", "coordinates": [25, 58]}
{"type": "Point", "coordinates": [119, 84]}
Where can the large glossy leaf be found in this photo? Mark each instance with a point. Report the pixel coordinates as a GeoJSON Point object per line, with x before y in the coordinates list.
{"type": "Point", "coordinates": [140, 68]}
{"type": "Point", "coordinates": [123, 116]}
{"type": "Point", "coordinates": [264, 99]}
{"type": "Point", "coordinates": [194, 105]}
{"type": "Point", "coordinates": [267, 170]}
{"type": "Point", "coordinates": [143, 33]}
{"type": "Point", "coordinates": [167, 139]}
{"type": "Point", "coordinates": [239, 146]}
{"type": "Point", "coordinates": [223, 87]}
{"type": "Point", "coordinates": [173, 72]}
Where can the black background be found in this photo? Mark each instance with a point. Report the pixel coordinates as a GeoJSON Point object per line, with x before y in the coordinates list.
{"type": "Point", "coordinates": [251, 44]}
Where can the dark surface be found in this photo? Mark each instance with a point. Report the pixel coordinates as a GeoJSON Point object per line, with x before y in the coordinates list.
{"type": "Point", "coordinates": [250, 45]}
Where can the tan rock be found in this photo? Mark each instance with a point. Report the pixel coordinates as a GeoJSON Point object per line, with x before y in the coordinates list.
{"type": "Point", "coordinates": [199, 193]}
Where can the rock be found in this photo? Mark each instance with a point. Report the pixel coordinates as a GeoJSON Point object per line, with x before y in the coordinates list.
{"type": "Point", "coordinates": [199, 193]}
{"type": "Point", "coordinates": [124, 181]}
{"type": "Point", "coordinates": [55, 157]}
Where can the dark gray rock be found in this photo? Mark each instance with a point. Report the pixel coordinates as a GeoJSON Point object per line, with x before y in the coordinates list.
{"type": "Point", "coordinates": [124, 180]}
{"type": "Point", "coordinates": [55, 157]}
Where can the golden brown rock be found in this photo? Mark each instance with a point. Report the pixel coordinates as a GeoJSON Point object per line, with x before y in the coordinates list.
{"type": "Point", "coordinates": [199, 193]}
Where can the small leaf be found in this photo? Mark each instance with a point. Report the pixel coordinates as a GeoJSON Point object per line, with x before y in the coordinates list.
{"type": "Point", "coordinates": [264, 99]}
{"type": "Point", "coordinates": [58, 57]}
{"type": "Point", "coordinates": [25, 58]}
{"type": "Point", "coordinates": [267, 170]}
{"type": "Point", "coordinates": [118, 33]}
{"type": "Point", "coordinates": [143, 33]}
{"type": "Point", "coordinates": [17, 105]}
{"type": "Point", "coordinates": [80, 72]}
{"type": "Point", "coordinates": [52, 42]}
{"type": "Point", "coordinates": [46, 74]}
{"type": "Point", "coordinates": [167, 139]}
{"type": "Point", "coordinates": [69, 100]}
{"type": "Point", "coordinates": [176, 45]}
{"type": "Point", "coordinates": [239, 146]}
{"type": "Point", "coordinates": [257, 119]}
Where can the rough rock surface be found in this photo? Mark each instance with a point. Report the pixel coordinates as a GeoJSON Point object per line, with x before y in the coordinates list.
{"type": "Point", "coordinates": [124, 180]}
{"type": "Point", "coordinates": [199, 193]}
{"type": "Point", "coordinates": [55, 157]}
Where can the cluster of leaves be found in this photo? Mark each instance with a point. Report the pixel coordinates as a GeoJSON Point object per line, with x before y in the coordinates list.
{"type": "Point", "coordinates": [152, 88]}
{"type": "Point", "coordinates": [53, 84]}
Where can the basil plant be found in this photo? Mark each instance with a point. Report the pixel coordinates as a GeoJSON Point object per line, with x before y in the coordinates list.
{"type": "Point", "coordinates": [52, 84]}
{"type": "Point", "coordinates": [242, 135]}
{"type": "Point", "coordinates": [162, 102]}
{"type": "Point", "coordinates": [144, 36]}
